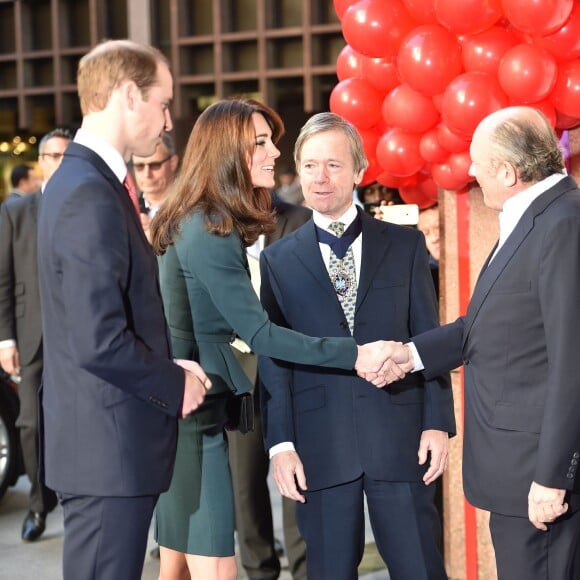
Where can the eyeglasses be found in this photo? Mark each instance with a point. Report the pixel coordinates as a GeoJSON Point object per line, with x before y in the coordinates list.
{"type": "Point", "coordinates": [55, 156]}
{"type": "Point", "coordinates": [153, 165]}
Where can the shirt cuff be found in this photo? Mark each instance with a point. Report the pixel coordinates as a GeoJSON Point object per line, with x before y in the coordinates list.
{"type": "Point", "coordinates": [416, 358]}
{"type": "Point", "coordinates": [278, 448]}
{"type": "Point", "coordinates": [8, 342]}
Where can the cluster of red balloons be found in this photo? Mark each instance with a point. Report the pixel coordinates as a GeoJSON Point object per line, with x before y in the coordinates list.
{"type": "Point", "coordinates": [417, 76]}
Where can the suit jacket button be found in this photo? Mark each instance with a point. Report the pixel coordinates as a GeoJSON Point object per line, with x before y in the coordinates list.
{"type": "Point", "coordinates": [576, 455]}
{"type": "Point", "coordinates": [343, 325]}
{"type": "Point", "coordinates": [570, 475]}
{"type": "Point", "coordinates": [466, 361]}
{"type": "Point", "coordinates": [574, 462]}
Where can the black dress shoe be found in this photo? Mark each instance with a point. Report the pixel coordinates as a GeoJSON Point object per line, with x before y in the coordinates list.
{"type": "Point", "coordinates": [33, 526]}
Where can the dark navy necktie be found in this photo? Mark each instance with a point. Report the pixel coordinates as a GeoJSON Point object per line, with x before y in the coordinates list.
{"type": "Point", "coordinates": [340, 245]}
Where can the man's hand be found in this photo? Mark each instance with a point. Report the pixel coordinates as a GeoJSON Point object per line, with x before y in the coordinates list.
{"type": "Point", "coordinates": [396, 362]}
{"type": "Point", "coordinates": [436, 442]}
{"type": "Point", "coordinates": [287, 470]}
{"type": "Point", "coordinates": [196, 386]}
{"type": "Point", "coordinates": [545, 504]}
{"type": "Point", "coordinates": [10, 360]}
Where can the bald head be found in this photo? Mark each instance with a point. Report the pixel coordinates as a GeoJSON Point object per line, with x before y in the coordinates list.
{"type": "Point", "coordinates": [511, 150]}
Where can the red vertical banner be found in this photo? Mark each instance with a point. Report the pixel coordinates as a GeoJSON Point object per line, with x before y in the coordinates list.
{"type": "Point", "coordinates": [464, 273]}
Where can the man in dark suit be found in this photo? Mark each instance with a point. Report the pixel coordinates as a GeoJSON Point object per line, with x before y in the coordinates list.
{"type": "Point", "coordinates": [518, 342]}
{"type": "Point", "coordinates": [248, 460]}
{"type": "Point", "coordinates": [20, 322]}
{"type": "Point", "coordinates": [333, 437]}
{"type": "Point", "coordinates": [111, 393]}
{"type": "Point", "coordinates": [24, 181]}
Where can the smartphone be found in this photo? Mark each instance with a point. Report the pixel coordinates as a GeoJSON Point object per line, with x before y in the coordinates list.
{"type": "Point", "coordinates": [403, 214]}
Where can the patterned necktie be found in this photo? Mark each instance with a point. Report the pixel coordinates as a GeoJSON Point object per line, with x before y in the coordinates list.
{"type": "Point", "coordinates": [343, 277]}
{"type": "Point", "coordinates": [129, 185]}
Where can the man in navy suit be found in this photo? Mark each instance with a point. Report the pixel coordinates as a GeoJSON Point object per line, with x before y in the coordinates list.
{"type": "Point", "coordinates": [111, 393]}
{"type": "Point", "coordinates": [519, 344]}
{"type": "Point", "coordinates": [333, 437]}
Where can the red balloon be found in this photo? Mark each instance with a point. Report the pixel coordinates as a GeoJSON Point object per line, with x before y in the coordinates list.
{"type": "Point", "coordinates": [538, 17]}
{"type": "Point", "coordinates": [375, 27]}
{"type": "Point", "coordinates": [430, 148]}
{"type": "Point", "coordinates": [423, 11]}
{"type": "Point", "coordinates": [429, 58]}
{"type": "Point", "coordinates": [527, 73]}
{"type": "Point", "coordinates": [482, 52]}
{"type": "Point", "coordinates": [372, 172]}
{"type": "Point", "coordinates": [370, 139]}
{"type": "Point", "coordinates": [380, 72]}
{"type": "Point", "coordinates": [566, 93]}
{"type": "Point", "coordinates": [357, 101]}
{"type": "Point", "coordinates": [429, 188]}
{"type": "Point", "coordinates": [437, 101]}
{"type": "Point", "coordinates": [468, 99]}
{"type": "Point", "coordinates": [468, 16]}
{"type": "Point", "coordinates": [459, 164]}
{"type": "Point", "coordinates": [451, 141]}
{"type": "Point", "coordinates": [398, 153]}
{"type": "Point", "coordinates": [444, 178]}
{"type": "Point", "coordinates": [548, 109]}
{"type": "Point", "coordinates": [414, 194]}
{"type": "Point", "coordinates": [348, 64]}
{"type": "Point", "coordinates": [565, 122]}
{"type": "Point", "coordinates": [564, 44]}
{"type": "Point", "coordinates": [395, 181]}
{"type": "Point", "coordinates": [411, 111]}
{"type": "Point", "coordinates": [341, 6]}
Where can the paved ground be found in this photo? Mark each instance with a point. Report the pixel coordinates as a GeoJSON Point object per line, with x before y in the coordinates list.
{"type": "Point", "coordinates": [42, 559]}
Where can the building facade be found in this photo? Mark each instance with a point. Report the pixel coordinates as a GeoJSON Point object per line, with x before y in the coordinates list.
{"type": "Point", "coordinates": [281, 51]}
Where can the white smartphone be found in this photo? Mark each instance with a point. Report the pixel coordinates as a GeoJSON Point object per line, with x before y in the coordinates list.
{"type": "Point", "coordinates": [403, 214]}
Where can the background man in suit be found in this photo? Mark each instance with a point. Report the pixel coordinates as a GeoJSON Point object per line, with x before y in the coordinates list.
{"type": "Point", "coordinates": [334, 437]}
{"type": "Point", "coordinates": [111, 393]}
{"type": "Point", "coordinates": [20, 322]}
{"type": "Point", "coordinates": [24, 181]}
{"type": "Point", "coordinates": [518, 342]}
{"type": "Point", "coordinates": [155, 176]}
{"type": "Point", "coordinates": [248, 460]}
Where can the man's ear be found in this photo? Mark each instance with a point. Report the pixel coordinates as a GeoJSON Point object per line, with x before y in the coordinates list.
{"type": "Point", "coordinates": [130, 92]}
{"type": "Point", "coordinates": [358, 176]}
{"type": "Point", "coordinates": [508, 174]}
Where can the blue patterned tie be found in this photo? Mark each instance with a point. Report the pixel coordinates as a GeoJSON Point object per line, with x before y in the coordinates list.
{"type": "Point", "coordinates": [343, 277]}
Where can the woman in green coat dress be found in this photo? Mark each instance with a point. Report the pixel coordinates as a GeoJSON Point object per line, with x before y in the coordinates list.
{"type": "Point", "coordinates": [220, 206]}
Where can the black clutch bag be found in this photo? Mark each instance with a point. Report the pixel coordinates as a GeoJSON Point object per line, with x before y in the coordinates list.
{"type": "Point", "coordinates": [240, 413]}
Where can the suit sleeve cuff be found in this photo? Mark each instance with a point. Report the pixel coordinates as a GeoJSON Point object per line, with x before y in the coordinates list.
{"type": "Point", "coordinates": [416, 358]}
{"type": "Point", "coordinates": [278, 448]}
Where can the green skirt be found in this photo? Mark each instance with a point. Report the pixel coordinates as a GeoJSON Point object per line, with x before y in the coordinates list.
{"type": "Point", "coordinates": [196, 514]}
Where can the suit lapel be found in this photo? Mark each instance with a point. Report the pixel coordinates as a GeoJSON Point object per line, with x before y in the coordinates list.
{"type": "Point", "coordinates": [77, 150]}
{"type": "Point", "coordinates": [492, 270]}
{"type": "Point", "coordinates": [375, 244]}
{"type": "Point", "coordinates": [307, 252]}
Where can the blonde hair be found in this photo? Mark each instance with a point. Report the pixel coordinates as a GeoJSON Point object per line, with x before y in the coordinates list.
{"type": "Point", "coordinates": [110, 63]}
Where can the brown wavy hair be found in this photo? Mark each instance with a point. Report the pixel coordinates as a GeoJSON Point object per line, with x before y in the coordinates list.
{"type": "Point", "coordinates": [215, 176]}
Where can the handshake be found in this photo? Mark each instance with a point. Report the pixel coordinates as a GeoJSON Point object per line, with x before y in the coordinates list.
{"type": "Point", "coordinates": [383, 362]}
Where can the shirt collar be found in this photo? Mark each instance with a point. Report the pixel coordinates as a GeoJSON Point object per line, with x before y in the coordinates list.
{"type": "Point", "coordinates": [346, 218]}
{"type": "Point", "coordinates": [104, 150]}
{"type": "Point", "coordinates": [515, 207]}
